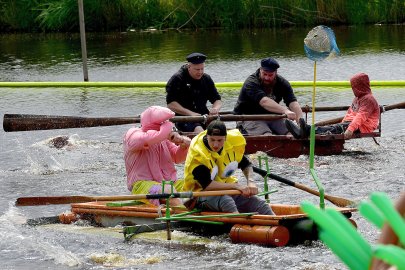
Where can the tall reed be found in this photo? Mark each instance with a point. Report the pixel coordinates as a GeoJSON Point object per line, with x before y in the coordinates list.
{"type": "Point", "coordinates": [121, 15]}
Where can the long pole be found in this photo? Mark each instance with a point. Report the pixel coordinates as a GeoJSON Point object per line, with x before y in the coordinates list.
{"type": "Point", "coordinates": [83, 40]}
{"type": "Point", "coordinates": [312, 148]}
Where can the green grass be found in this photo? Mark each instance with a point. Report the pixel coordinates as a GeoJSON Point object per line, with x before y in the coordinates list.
{"type": "Point", "coordinates": [121, 15]}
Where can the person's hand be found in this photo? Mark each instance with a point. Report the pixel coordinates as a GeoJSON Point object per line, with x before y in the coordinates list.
{"type": "Point", "coordinates": [177, 139]}
{"type": "Point", "coordinates": [290, 115]}
{"type": "Point", "coordinates": [244, 189]}
{"type": "Point", "coordinates": [248, 191]}
{"type": "Point", "coordinates": [253, 189]}
{"type": "Point", "coordinates": [348, 134]}
{"type": "Point", "coordinates": [185, 142]}
{"type": "Point", "coordinates": [214, 111]}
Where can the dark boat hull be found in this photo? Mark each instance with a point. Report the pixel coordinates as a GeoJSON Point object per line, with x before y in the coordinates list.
{"type": "Point", "coordinates": [284, 146]}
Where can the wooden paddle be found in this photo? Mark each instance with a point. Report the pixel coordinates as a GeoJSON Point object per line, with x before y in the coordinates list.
{"type": "Point", "coordinates": [32, 201]}
{"type": "Point", "coordinates": [27, 122]}
{"type": "Point", "coordinates": [383, 108]}
{"type": "Point", "coordinates": [341, 202]}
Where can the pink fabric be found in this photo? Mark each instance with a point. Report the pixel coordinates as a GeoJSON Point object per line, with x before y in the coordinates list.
{"type": "Point", "coordinates": [364, 113]}
{"type": "Point", "coordinates": [148, 153]}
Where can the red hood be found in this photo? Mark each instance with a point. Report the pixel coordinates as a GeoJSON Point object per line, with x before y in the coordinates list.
{"type": "Point", "coordinates": [360, 84]}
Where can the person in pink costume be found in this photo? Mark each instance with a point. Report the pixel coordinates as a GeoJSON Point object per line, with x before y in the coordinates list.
{"type": "Point", "coordinates": [363, 115]}
{"type": "Point", "coordinates": [151, 151]}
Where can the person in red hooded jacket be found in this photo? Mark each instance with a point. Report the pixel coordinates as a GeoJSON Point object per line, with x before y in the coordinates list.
{"type": "Point", "coordinates": [363, 115]}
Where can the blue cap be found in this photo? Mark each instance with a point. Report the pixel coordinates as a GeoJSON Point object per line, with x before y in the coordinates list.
{"type": "Point", "coordinates": [269, 64]}
{"type": "Point", "coordinates": [196, 58]}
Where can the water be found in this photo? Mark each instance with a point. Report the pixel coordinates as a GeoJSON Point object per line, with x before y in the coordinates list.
{"type": "Point", "coordinates": [92, 164]}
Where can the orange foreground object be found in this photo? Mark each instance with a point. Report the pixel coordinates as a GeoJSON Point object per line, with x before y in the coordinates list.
{"type": "Point", "coordinates": [67, 218]}
{"type": "Point", "coordinates": [266, 235]}
{"type": "Point", "coordinates": [289, 225]}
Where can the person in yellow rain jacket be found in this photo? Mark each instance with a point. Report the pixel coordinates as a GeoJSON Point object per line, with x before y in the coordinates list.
{"type": "Point", "coordinates": [213, 157]}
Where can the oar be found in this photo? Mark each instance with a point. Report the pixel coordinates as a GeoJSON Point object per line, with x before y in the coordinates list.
{"type": "Point", "coordinates": [393, 106]}
{"type": "Point", "coordinates": [31, 201]}
{"type": "Point", "coordinates": [329, 121]}
{"type": "Point", "coordinates": [27, 122]}
{"type": "Point", "coordinates": [383, 108]}
{"type": "Point", "coordinates": [341, 202]}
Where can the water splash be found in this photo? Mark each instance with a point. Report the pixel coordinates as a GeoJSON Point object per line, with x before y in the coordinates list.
{"type": "Point", "coordinates": [27, 242]}
{"type": "Point", "coordinates": [118, 260]}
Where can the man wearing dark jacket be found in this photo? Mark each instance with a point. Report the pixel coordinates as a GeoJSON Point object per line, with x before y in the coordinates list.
{"type": "Point", "coordinates": [261, 93]}
{"type": "Point", "coordinates": [189, 90]}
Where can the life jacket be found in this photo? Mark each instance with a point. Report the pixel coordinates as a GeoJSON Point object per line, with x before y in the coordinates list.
{"type": "Point", "coordinates": [221, 165]}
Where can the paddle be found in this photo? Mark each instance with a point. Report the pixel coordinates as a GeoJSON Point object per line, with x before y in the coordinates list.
{"type": "Point", "coordinates": [383, 108]}
{"type": "Point", "coordinates": [341, 202]}
{"type": "Point", "coordinates": [27, 122]}
{"type": "Point", "coordinates": [31, 201]}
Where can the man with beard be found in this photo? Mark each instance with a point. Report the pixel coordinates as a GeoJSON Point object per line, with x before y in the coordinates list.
{"type": "Point", "coordinates": [261, 93]}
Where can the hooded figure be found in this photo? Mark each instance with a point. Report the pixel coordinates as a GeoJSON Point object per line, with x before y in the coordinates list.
{"type": "Point", "coordinates": [364, 113]}
{"type": "Point", "coordinates": [362, 116]}
{"type": "Point", "coordinates": [150, 154]}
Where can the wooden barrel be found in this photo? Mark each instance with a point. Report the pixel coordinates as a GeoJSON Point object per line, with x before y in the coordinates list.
{"type": "Point", "coordinates": [265, 235]}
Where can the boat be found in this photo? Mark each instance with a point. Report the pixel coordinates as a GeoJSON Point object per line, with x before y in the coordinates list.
{"type": "Point", "coordinates": [286, 146]}
{"type": "Point", "coordinates": [281, 146]}
{"type": "Point", "coordinates": [289, 226]}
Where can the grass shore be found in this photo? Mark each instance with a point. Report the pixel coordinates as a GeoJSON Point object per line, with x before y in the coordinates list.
{"type": "Point", "coordinates": [232, 15]}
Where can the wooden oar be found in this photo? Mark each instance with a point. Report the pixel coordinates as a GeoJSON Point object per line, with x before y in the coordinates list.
{"type": "Point", "coordinates": [393, 106]}
{"type": "Point", "coordinates": [341, 202]}
{"type": "Point", "coordinates": [329, 121]}
{"type": "Point", "coordinates": [27, 122]}
{"type": "Point", "coordinates": [32, 201]}
{"type": "Point", "coordinates": [383, 108]}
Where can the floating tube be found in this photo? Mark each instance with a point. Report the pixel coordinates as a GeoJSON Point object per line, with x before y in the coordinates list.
{"type": "Point", "coordinates": [396, 83]}
{"type": "Point", "coordinates": [68, 218]}
{"type": "Point", "coordinates": [265, 235]}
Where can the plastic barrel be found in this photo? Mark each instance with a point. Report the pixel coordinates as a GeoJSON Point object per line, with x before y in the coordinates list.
{"type": "Point", "coordinates": [265, 235]}
{"type": "Point", "coordinates": [67, 218]}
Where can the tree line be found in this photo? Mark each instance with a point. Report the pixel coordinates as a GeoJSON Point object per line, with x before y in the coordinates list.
{"type": "Point", "coordinates": [125, 15]}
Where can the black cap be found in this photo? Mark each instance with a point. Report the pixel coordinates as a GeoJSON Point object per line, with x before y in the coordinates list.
{"type": "Point", "coordinates": [216, 128]}
{"type": "Point", "coordinates": [196, 58]}
{"type": "Point", "coordinates": [269, 64]}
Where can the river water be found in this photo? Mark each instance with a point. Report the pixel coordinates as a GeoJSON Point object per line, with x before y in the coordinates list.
{"type": "Point", "coordinates": [92, 164]}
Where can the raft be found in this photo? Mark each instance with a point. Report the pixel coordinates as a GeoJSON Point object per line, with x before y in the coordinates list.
{"type": "Point", "coordinates": [289, 226]}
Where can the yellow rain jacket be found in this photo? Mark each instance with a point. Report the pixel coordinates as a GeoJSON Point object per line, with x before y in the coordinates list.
{"type": "Point", "coordinates": [221, 165]}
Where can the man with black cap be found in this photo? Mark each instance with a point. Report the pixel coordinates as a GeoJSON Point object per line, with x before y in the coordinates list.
{"type": "Point", "coordinates": [213, 157]}
{"type": "Point", "coordinates": [188, 91]}
{"type": "Point", "coordinates": [261, 93]}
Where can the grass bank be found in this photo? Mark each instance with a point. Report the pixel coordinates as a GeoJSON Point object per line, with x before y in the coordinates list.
{"type": "Point", "coordinates": [124, 15]}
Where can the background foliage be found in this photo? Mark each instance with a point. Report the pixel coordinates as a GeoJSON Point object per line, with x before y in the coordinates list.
{"type": "Point", "coordinates": [122, 15]}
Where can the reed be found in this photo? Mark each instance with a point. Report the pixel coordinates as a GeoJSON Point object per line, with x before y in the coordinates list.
{"type": "Point", "coordinates": [121, 15]}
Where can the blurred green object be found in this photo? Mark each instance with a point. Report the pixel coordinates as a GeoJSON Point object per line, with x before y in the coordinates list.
{"type": "Point", "coordinates": [344, 240]}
